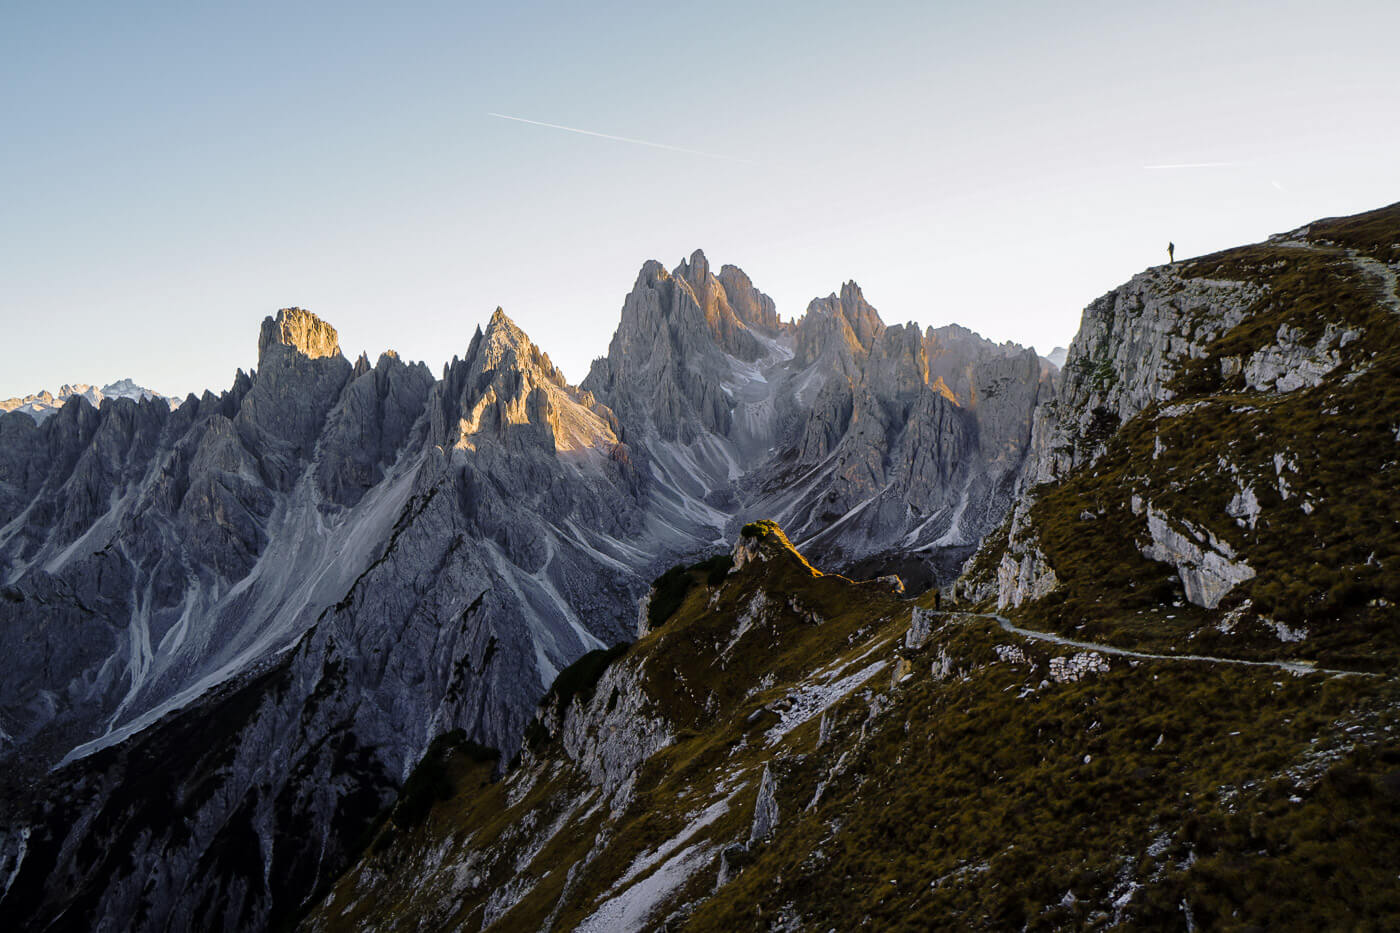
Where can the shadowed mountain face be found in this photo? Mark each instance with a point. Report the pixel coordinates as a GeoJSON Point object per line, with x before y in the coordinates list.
{"type": "Point", "coordinates": [233, 626]}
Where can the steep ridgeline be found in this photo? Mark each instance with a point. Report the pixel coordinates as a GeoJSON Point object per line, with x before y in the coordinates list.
{"type": "Point", "coordinates": [308, 578]}
{"type": "Point", "coordinates": [1219, 467]}
{"type": "Point", "coordinates": [787, 749]}
{"type": "Point", "coordinates": [884, 447]}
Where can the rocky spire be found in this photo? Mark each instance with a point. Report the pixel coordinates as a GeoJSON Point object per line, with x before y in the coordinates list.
{"type": "Point", "coordinates": [672, 351]}
{"type": "Point", "coordinates": [302, 331]}
{"type": "Point", "coordinates": [863, 318]}
{"type": "Point", "coordinates": [505, 345]}
{"type": "Point", "coordinates": [839, 327]}
{"type": "Point", "coordinates": [709, 294]}
{"type": "Point", "coordinates": [750, 305]}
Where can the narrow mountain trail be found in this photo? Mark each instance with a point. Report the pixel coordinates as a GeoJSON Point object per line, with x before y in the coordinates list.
{"type": "Point", "coordinates": [1389, 282]}
{"type": "Point", "coordinates": [1292, 667]}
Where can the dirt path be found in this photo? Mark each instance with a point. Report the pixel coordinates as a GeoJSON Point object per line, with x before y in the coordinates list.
{"type": "Point", "coordinates": [1371, 268]}
{"type": "Point", "coordinates": [1293, 667]}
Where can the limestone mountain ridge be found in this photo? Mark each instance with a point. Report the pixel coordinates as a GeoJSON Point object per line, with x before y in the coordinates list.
{"type": "Point", "coordinates": [342, 561]}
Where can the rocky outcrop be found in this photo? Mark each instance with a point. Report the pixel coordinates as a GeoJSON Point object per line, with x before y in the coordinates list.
{"type": "Point", "coordinates": [1208, 567]}
{"type": "Point", "coordinates": [1024, 578]}
{"type": "Point", "coordinates": [1292, 363]}
{"type": "Point", "coordinates": [1067, 669]}
{"type": "Point", "coordinates": [1131, 342]}
{"type": "Point", "coordinates": [920, 628]}
{"type": "Point", "coordinates": [765, 809]}
{"type": "Point", "coordinates": [609, 741]}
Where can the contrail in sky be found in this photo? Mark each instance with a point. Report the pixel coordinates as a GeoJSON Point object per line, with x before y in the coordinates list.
{"type": "Point", "coordinates": [1194, 165]}
{"type": "Point", "coordinates": [621, 139]}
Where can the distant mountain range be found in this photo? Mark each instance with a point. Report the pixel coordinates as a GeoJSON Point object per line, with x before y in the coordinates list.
{"type": "Point", "coordinates": [43, 404]}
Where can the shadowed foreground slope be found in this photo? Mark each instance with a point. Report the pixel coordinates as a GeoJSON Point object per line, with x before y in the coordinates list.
{"type": "Point", "coordinates": [796, 749]}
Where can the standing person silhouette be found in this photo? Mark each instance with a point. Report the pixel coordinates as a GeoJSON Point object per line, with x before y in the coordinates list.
{"type": "Point", "coordinates": [1171, 253]}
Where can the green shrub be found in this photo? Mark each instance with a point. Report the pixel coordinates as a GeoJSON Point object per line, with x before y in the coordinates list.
{"type": "Point", "coordinates": [581, 678]}
{"type": "Point", "coordinates": [671, 588]}
{"type": "Point", "coordinates": [667, 594]}
{"type": "Point", "coordinates": [431, 780]}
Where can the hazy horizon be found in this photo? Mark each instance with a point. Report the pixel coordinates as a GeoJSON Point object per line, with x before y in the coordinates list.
{"type": "Point", "coordinates": [177, 175]}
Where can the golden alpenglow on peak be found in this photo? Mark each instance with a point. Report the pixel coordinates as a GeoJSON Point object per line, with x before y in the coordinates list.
{"type": "Point", "coordinates": [302, 331]}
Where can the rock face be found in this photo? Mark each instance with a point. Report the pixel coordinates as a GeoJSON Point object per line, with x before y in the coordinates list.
{"type": "Point", "coordinates": [878, 447]}
{"type": "Point", "coordinates": [1196, 404]}
{"type": "Point", "coordinates": [338, 562]}
{"type": "Point", "coordinates": [1130, 344]}
{"type": "Point", "coordinates": [765, 808]}
{"type": "Point", "coordinates": [301, 331]}
{"type": "Point", "coordinates": [1208, 570]}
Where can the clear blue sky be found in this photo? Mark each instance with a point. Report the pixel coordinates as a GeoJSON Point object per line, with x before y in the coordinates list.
{"type": "Point", "coordinates": [173, 172]}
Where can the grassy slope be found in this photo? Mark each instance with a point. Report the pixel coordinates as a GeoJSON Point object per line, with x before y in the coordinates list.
{"type": "Point", "coordinates": [1321, 569]}
{"type": "Point", "coordinates": [985, 797]}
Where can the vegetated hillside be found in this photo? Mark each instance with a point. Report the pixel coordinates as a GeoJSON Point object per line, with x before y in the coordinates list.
{"type": "Point", "coordinates": [1228, 484]}
{"type": "Point", "coordinates": [787, 749]}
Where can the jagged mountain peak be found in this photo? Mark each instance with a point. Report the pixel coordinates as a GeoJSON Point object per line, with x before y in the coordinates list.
{"type": "Point", "coordinates": [863, 317]}
{"type": "Point", "coordinates": [751, 305]}
{"type": "Point", "coordinates": [721, 318]}
{"type": "Point", "coordinates": [840, 327]}
{"type": "Point", "coordinates": [502, 331]}
{"type": "Point", "coordinates": [694, 270]}
{"type": "Point", "coordinates": [507, 388]}
{"type": "Point", "coordinates": [691, 296]}
{"type": "Point", "coordinates": [679, 340]}
{"type": "Point", "coordinates": [300, 330]}
{"type": "Point", "coordinates": [505, 346]}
